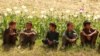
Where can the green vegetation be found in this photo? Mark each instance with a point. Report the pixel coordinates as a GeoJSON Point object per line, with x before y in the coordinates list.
{"type": "Point", "coordinates": [40, 22]}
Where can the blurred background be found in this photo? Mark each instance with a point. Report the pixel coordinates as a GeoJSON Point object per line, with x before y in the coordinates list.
{"type": "Point", "coordinates": [59, 5]}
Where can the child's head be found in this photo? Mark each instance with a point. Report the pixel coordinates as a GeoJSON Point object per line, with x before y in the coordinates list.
{"type": "Point", "coordinates": [52, 26]}
{"type": "Point", "coordinates": [28, 25]}
{"type": "Point", "coordinates": [12, 25]}
{"type": "Point", "coordinates": [87, 24]}
{"type": "Point", "coordinates": [70, 26]}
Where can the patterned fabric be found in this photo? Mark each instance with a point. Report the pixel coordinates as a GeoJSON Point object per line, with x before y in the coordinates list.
{"type": "Point", "coordinates": [88, 31]}
{"type": "Point", "coordinates": [70, 35]}
{"type": "Point", "coordinates": [25, 39]}
{"type": "Point", "coordinates": [92, 39]}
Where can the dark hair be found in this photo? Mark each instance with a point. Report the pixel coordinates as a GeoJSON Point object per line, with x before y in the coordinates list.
{"type": "Point", "coordinates": [30, 23]}
{"type": "Point", "coordinates": [69, 23]}
{"type": "Point", "coordinates": [12, 23]}
{"type": "Point", "coordinates": [53, 25]}
{"type": "Point", "coordinates": [86, 23]}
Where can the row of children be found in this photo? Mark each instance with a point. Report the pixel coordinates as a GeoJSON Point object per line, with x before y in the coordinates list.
{"type": "Point", "coordinates": [28, 35]}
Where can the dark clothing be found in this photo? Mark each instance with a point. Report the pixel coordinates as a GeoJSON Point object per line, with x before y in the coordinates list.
{"type": "Point", "coordinates": [27, 40]}
{"type": "Point", "coordinates": [84, 39]}
{"type": "Point", "coordinates": [8, 38]}
{"type": "Point", "coordinates": [88, 31]}
{"type": "Point", "coordinates": [70, 34]}
{"type": "Point", "coordinates": [98, 48]}
{"type": "Point", "coordinates": [54, 44]}
{"type": "Point", "coordinates": [67, 36]}
{"type": "Point", "coordinates": [53, 37]}
{"type": "Point", "coordinates": [68, 43]}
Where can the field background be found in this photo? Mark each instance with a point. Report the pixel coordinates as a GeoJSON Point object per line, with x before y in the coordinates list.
{"type": "Point", "coordinates": [91, 6]}
{"type": "Point", "coordinates": [60, 5]}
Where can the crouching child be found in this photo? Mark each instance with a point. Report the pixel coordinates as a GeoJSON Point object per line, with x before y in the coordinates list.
{"type": "Point", "coordinates": [88, 35]}
{"type": "Point", "coordinates": [10, 35]}
{"type": "Point", "coordinates": [69, 36]}
{"type": "Point", "coordinates": [28, 36]}
{"type": "Point", "coordinates": [99, 46]}
{"type": "Point", "coordinates": [52, 37]}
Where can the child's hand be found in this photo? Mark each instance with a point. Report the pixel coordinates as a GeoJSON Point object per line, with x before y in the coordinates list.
{"type": "Point", "coordinates": [50, 42]}
{"type": "Point", "coordinates": [89, 35]}
{"type": "Point", "coordinates": [27, 34]}
{"type": "Point", "coordinates": [32, 33]}
{"type": "Point", "coordinates": [72, 40]}
{"type": "Point", "coordinates": [89, 38]}
{"type": "Point", "coordinates": [12, 33]}
{"type": "Point", "coordinates": [92, 33]}
{"type": "Point", "coordinates": [23, 33]}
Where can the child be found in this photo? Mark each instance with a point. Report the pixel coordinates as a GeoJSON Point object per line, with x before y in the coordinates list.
{"type": "Point", "coordinates": [51, 37]}
{"type": "Point", "coordinates": [88, 34]}
{"type": "Point", "coordinates": [10, 34]}
{"type": "Point", "coordinates": [69, 36]}
{"type": "Point", "coordinates": [99, 45]}
{"type": "Point", "coordinates": [28, 36]}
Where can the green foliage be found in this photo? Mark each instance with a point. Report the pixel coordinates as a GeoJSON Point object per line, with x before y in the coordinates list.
{"type": "Point", "coordinates": [41, 23]}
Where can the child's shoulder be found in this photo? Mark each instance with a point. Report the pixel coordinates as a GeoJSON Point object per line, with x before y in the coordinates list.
{"type": "Point", "coordinates": [48, 32]}
{"type": "Point", "coordinates": [23, 30]}
{"type": "Point", "coordinates": [52, 32]}
{"type": "Point", "coordinates": [7, 29]}
{"type": "Point", "coordinates": [57, 32]}
{"type": "Point", "coordinates": [32, 29]}
{"type": "Point", "coordinates": [74, 31]}
{"type": "Point", "coordinates": [70, 31]}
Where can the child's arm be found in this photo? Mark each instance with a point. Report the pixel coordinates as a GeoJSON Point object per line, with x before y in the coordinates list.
{"type": "Point", "coordinates": [33, 33]}
{"type": "Point", "coordinates": [14, 33]}
{"type": "Point", "coordinates": [87, 35]}
{"type": "Point", "coordinates": [57, 38]}
{"type": "Point", "coordinates": [84, 33]}
{"type": "Point", "coordinates": [6, 33]}
{"type": "Point", "coordinates": [74, 36]}
{"type": "Point", "coordinates": [23, 33]}
{"type": "Point", "coordinates": [93, 33]}
{"type": "Point", "coordinates": [65, 36]}
{"type": "Point", "coordinates": [47, 35]}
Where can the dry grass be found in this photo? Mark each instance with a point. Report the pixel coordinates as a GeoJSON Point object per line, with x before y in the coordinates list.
{"type": "Point", "coordinates": [59, 5]}
{"type": "Point", "coordinates": [40, 51]}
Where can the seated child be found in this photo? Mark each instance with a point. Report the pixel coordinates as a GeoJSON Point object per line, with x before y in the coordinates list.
{"type": "Point", "coordinates": [88, 34]}
{"type": "Point", "coordinates": [99, 46]}
{"type": "Point", "coordinates": [27, 36]}
{"type": "Point", "coordinates": [51, 37]}
{"type": "Point", "coordinates": [69, 36]}
{"type": "Point", "coordinates": [10, 34]}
